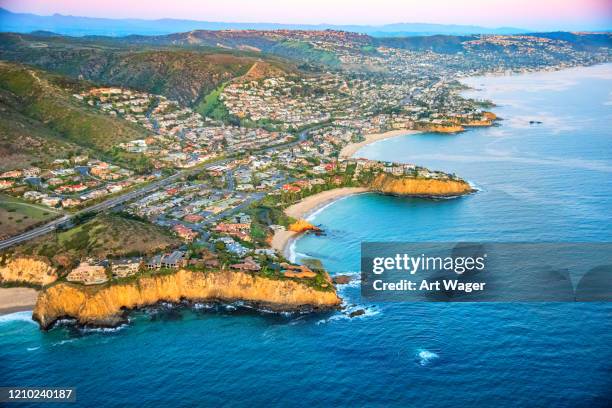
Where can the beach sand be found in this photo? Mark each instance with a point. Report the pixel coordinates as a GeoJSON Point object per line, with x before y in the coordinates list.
{"type": "Point", "coordinates": [282, 239]}
{"type": "Point", "coordinates": [350, 149]}
{"type": "Point", "coordinates": [17, 299]}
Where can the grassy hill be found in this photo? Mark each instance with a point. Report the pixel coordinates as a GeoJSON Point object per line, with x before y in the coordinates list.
{"type": "Point", "coordinates": [179, 70]}
{"type": "Point", "coordinates": [103, 235]}
{"type": "Point", "coordinates": [41, 120]}
{"type": "Point", "coordinates": [17, 216]}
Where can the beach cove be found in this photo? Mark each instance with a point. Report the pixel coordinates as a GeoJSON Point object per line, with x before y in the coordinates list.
{"type": "Point", "coordinates": [349, 150]}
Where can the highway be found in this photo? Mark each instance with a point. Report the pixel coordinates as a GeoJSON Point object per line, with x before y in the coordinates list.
{"type": "Point", "coordinates": [104, 205]}
{"type": "Point", "coordinates": [115, 201]}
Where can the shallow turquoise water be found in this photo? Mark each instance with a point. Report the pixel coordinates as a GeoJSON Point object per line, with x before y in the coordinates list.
{"type": "Point", "coordinates": [547, 182]}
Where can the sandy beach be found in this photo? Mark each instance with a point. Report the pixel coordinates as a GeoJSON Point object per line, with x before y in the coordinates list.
{"type": "Point", "coordinates": [17, 299]}
{"type": "Point", "coordinates": [282, 239]}
{"type": "Point", "coordinates": [350, 149]}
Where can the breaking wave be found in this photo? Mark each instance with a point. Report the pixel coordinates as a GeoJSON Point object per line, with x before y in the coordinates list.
{"type": "Point", "coordinates": [25, 316]}
{"type": "Point", "coordinates": [425, 357]}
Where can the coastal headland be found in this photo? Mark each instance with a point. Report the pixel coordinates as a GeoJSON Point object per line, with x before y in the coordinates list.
{"type": "Point", "coordinates": [105, 306]}
{"type": "Point", "coordinates": [381, 184]}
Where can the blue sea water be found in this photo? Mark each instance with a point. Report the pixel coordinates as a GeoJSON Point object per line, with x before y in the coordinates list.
{"type": "Point", "coordinates": [538, 182]}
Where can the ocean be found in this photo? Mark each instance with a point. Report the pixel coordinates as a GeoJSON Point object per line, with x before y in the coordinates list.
{"type": "Point", "coordinates": [537, 182]}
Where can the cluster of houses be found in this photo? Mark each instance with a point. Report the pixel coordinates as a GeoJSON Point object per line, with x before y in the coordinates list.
{"type": "Point", "coordinates": [287, 101]}
{"type": "Point", "coordinates": [180, 137]}
{"type": "Point", "coordinates": [69, 182]}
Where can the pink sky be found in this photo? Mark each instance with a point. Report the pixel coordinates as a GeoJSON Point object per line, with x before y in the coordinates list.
{"type": "Point", "coordinates": [536, 14]}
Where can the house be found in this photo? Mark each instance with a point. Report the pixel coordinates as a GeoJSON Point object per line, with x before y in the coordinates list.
{"type": "Point", "coordinates": [155, 262]}
{"type": "Point", "coordinates": [266, 251]}
{"type": "Point", "coordinates": [248, 264]}
{"type": "Point", "coordinates": [51, 201]}
{"type": "Point", "coordinates": [122, 268]}
{"type": "Point", "coordinates": [238, 230]}
{"type": "Point", "coordinates": [174, 260]}
{"type": "Point", "coordinates": [193, 218]}
{"type": "Point", "coordinates": [184, 232]}
{"type": "Point", "coordinates": [88, 274]}
{"type": "Point", "coordinates": [291, 188]}
{"type": "Point", "coordinates": [70, 202]}
{"type": "Point", "coordinates": [4, 184]}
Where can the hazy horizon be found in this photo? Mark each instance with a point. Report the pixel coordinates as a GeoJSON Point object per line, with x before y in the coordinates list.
{"type": "Point", "coordinates": [545, 15]}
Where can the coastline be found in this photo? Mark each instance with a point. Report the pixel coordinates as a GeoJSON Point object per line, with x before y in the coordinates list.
{"type": "Point", "coordinates": [17, 300]}
{"type": "Point", "coordinates": [352, 148]}
{"type": "Point", "coordinates": [281, 241]}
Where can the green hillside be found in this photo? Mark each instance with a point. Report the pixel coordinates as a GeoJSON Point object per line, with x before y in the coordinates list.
{"type": "Point", "coordinates": [186, 74]}
{"type": "Point", "coordinates": [40, 119]}
{"type": "Point", "coordinates": [104, 235]}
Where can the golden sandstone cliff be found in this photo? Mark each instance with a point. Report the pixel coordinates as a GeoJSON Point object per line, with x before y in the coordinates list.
{"type": "Point", "coordinates": [105, 305]}
{"type": "Point", "coordinates": [404, 186]}
{"type": "Point", "coordinates": [441, 128]}
{"type": "Point", "coordinates": [302, 225]}
{"type": "Point", "coordinates": [28, 270]}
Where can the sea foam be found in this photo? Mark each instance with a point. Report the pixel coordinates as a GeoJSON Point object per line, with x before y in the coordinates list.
{"type": "Point", "coordinates": [425, 357]}
{"type": "Point", "coordinates": [25, 316]}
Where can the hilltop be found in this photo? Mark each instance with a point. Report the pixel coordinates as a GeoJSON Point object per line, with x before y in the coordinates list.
{"type": "Point", "coordinates": [185, 74]}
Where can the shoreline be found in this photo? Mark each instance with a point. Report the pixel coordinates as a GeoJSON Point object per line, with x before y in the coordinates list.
{"type": "Point", "coordinates": [350, 149]}
{"type": "Point", "coordinates": [282, 240]}
{"type": "Point", "coordinates": [17, 300]}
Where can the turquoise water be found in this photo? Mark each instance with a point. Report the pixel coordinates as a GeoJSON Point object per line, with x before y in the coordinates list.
{"type": "Point", "coordinates": [545, 182]}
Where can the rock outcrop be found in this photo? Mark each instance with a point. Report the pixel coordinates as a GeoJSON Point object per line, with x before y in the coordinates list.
{"type": "Point", "coordinates": [427, 187]}
{"type": "Point", "coordinates": [302, 226]}
{"type": "Point", "coordinates": [28, 270]}
{"type": "Point", "coordinates": [105, 305]}
{"type": "Point", "coordinates": [342, 279]}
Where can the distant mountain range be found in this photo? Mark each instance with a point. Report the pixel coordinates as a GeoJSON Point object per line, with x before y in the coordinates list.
{"type": "Point", "coordinates": [81, 26]}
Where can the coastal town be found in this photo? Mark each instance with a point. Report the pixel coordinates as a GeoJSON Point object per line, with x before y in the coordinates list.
{"type": "Point", "coordinates": [219, 177]}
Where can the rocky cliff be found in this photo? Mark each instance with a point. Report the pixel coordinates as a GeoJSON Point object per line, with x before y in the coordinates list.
{"type": "Point", "coordinates": [407, 186]}
{"type": "Point", "coordinates": [28, 270]}
{"type": "Point", "coordinates": [105, 305]}
{"type": "Point", "coordinates": [429, 127]}
{"type": "Point", "coordinates": [302, 226]}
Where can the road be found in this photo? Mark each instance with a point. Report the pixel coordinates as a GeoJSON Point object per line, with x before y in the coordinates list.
{"type": "Point", "coordinates": [105, 205]}
{"type": "Point", "coordinates": [113, 202]}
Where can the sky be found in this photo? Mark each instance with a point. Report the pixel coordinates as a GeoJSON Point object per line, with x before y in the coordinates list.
{"type": "Point", "coordinates": [529, 14]}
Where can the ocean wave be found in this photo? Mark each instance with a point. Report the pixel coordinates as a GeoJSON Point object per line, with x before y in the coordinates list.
{"type": "Point", "coordinates": [345, 314]}
{"type": "Point", "coordinates": [65, 341]}
{"type": "Point", "coordinates": [475, 186]}
{"type": "Point", "coordinates": [319, 210]}
{"type": "Point", "coordinates": [425, 357]}
{"type": "Point", "coordinates": [103, 329]}
{"type": "Point", "coordinates": [25, 316]}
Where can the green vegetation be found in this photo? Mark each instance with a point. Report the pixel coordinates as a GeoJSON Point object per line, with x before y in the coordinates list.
{"type": "Point", "coordinates": [267, 212]}
{"type": "Point", "coordinates": [186, 75]}
{"type": "Point", "coordinates": [48, 99]}
{"type": "Point", "coordinates": [304, 51]}
{"type": "Point", "coordinates": [101, 236]}
{"type": "Point", "coordinates": [212, 107]}
{"type": "Point", "coordinates": [17, 216]}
